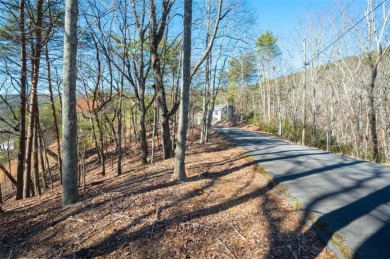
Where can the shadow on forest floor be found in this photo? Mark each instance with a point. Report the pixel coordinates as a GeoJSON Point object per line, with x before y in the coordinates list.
{"type": "Point", "coordinates": [223, 209]}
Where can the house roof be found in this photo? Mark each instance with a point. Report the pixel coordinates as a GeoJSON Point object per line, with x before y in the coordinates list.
{"type": "Point", "coordinates": [219, 107]}
{"type": "Point", "coordinates": [83, 105]}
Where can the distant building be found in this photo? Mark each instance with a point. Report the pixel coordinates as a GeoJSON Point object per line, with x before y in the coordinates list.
{"type": "Point", "coordinates": [8, 145]}
{"type": "Point", "coordinates": [85, 106]}
{"type": "Point", "coordinates": [223, 112]}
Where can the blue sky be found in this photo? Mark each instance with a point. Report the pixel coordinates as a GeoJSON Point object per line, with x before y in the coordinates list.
{"type": "Point", "coordinates": [283, 16]}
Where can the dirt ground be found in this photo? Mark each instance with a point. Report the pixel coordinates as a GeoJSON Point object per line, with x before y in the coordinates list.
{"type": "Point", "coordinates": [224, 210]}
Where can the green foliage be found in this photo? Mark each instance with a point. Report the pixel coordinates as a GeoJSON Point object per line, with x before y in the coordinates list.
{"type": "Point", "coordinates": [267, 46]}
{"type": "Point", "coordinates": [232, 90]}
{"type": "Point", "coordinates": [292, 132]}
{"type": "Point", "coordinates": [242, 69]}
{"type": "Point", "coordinates": [254, 118]}
{"type": "Point", "coordinates": [269, 127]}
{"type": "Point", "coordinates": [46, 116]}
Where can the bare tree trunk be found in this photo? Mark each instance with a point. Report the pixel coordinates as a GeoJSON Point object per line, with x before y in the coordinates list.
{"type": "Point", "coordinates": [142, 133]}
{"type": "Point", "coordinates": [43, 167]}
{"type": "Point", "coordinates": [304, 96]}
{"type": "Point", "coordinates": [33, 110]}
{"type": "Point", "coordinates": [206, 99]}
{"type": "Point", "coordinates": [372, 114]}
{"type": "Point", "coordinates": [36, 161]}
{"type": "Point", "coordinates": [278, 97]}
{"type": "Point", "coordinates": [70, 192]}
{"type": "Point", "coordinates": [154, 133]}
{"type": "Point", "coordinates": [22, 120]}
{"type": "Point", "coordinates": [156, 34]}
{"type": "Point", "coordinates": [120, 155]}
{"type": "Point", "coordinates": [101, 144]}
{"type": "Point", "coordinates": [179, 168]}
{"type": "Point", "coordinates": [47, 162]}
{"type": "Point", "coordinates": [269, 96]}
{"type": "Point", "coordinates": [55, 119]}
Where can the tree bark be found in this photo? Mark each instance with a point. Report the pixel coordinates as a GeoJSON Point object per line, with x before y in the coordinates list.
{"type": "Point", "coordinates": [179, 168]}
{"type": "Point", "coordinates": [206, 100]}
{"type": "Point", "coordinates": [37, 185]}
{"type": "Point", "coordinates": [33, 110]}
{"type": "Point", "coordinates": [156, 35]}
{"type": "Point", "coordinates": [372, 114]}
{"type": "Point", "coordinates": [22, 120]}
{"type": "Point", "coordinates": [70, 192]}
{"type": "Point", "coordinates": [53, 109]}
{"type": "Point", "coordinates": [142, 132]}
{"type": "Point", "coordinates": [120, 155]}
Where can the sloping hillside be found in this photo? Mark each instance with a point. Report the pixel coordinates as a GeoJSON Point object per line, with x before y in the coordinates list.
{"type": "Point", "coordinates": [224, 210]}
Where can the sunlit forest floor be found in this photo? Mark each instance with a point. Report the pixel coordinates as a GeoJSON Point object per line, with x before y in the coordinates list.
{"type": "Point", "coordinates": [224, 210]}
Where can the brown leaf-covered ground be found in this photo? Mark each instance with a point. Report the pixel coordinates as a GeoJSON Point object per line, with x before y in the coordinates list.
{"type": "Point", "coordinates": [224, 210]}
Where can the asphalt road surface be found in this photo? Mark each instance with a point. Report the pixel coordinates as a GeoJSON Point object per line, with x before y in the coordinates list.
{"type": "Point", "coordinates": [348, 197]}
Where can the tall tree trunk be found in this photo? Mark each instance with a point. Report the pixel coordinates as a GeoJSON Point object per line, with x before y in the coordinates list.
{"type": "Point", "coordinates": [53, 109]}
{"type": "Point", "coordinates": [43, 167]}
{"type": "Point", "coordinates": [304, 96]}
{"type": "Point", "coordinates": [278, 99]}
{"type": "Point", "coordinates": [206, 100]}
{"type": "Point", "coordinates": [120, 155]}
{"type": "Point", "coordinates": [22, 120]}
{"type": "Point", "coordinates": [37, 185]}
{"type": "Point", "coordinates": [33, 110]}
{"type": "Point", "coordinates": [372, 114]}
{"type": "Point", "coordinates": [154, 133]}
{"type": "Point", "coordinates": [162, 103]}
{"type": "Point", "coordinates": [142, 132]}
{"type": "Point", "coordinates": [70, 192]}
{"type": "Point", "coordinates": [156, 34]}
{"type": "Point", "coordinates": [179, 168]}
{"type": "Point", "coordinates": [101, 144]}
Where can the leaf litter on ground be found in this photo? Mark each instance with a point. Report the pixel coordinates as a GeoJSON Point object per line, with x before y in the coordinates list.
{"type": "Point", "coordinates": [223, 210]}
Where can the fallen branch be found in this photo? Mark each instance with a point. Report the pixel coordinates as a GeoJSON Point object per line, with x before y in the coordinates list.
{"type": "Point", "coordinates": [128, 205]}
{"type": "Point", "coordinates": [227, 248]}
{"type": "Point", "coordinates": [51, 153]}
{"type": "Point", "coordinates": [243, 238]}
{"type": "Point", "coordinates": [8, 174]}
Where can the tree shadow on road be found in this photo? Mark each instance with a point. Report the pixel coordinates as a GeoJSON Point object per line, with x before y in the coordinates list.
{"type": "Point", "coordinates": [376, 246]}
{"type": "Point", "coordinates": [375, 203]}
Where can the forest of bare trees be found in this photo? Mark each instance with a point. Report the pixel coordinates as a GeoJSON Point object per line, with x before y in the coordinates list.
{"type": "Point", "coordinates": [129, 72]}
{"type": "Point", "coordinates": [337, 98]}
{"type": "Point", "coordinates": [143, 80]}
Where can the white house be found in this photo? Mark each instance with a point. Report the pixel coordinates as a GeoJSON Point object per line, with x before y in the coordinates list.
{"type": "Point", "coordinates": [8, 145]}
{"type": "Point", "coordinates": [222, 112]}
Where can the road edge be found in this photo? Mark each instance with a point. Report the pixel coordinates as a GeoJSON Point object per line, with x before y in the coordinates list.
{"type": "Point", "coordinates": [337, 241]}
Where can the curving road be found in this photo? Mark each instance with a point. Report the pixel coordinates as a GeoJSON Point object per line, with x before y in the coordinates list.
{"type": "Point", "coordinates": [348, 197]}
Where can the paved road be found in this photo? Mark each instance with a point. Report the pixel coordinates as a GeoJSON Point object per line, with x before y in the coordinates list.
{"type": "Point", "coordinates": [349, 197]}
